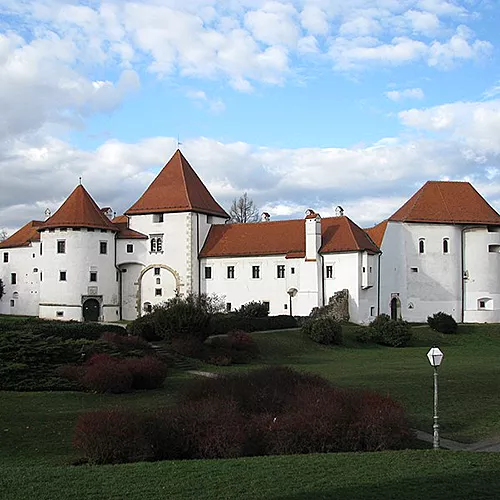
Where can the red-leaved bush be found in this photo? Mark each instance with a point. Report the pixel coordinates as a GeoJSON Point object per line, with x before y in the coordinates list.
{"type": "Point", "coordinates": [108, 374]}
{"type": "Point", "coordinates": [125, 342]}
{"type": "Point", "coordinates": [265, 412]}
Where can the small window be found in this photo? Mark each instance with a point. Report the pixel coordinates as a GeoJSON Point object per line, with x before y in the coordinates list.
{"type": "Point", "coordinates": [6, 256]}
{"type": "Point", "coordinates": [41, 276]}
{"type": "Point", "coordinates": [12, 303]}
{"type": "Point", "coordinates": [329, 271]}
{"type": "Point", "coordinates": [421, 245]}
{"type": "Point", "coordinates": [93, 275]}
{"type": "Point", "coordinates": [158, 292]}
{"type": "Point", "coordinates": [210, 219]}
{"type": "Point", "coordinates": [62, 275]}
{"type": "Point", "coordinates": [153, 244]}
{"type": "Point", "coordinates": [266, 304]}
{"type": "Point", "coordinates": [35, 269]}
{"type": "Point", "coordinates": [148, 307]}
{"type": "Point", "coordinates": [159, 244]}
{"type": "Point", "coordinates": [230, 272]}
{"type": "Point", "coordinates": [280, 271]}
{"type": "Point", "coordinates": [117, 275]}
{"type": "Point", "coordinates": [494, 248]}
{"type": "Point", "coordinates": [482, 304]}
{"type": "Point", "coordinates": [372, 311]}
{"type": "Point", "coordinates": [371, 269]}
{"type": "Point", "coordinates": [130, 248]}
{"type": "Point", "coordinates": [59, 314]}
{"type": "Point", "coordinates": [61, 246]}
{"type": "Point", "coordinates": [446, 245]}
{"type": "Point", "coordinates": [157, 217]}
{"type": "Point", "coordinates": [208, 272]}
{"type": "Point", "coordinates": [90, 229]}
{"type": "Point", "coordinates": [158, 281]}
{"type": "Point", "coordinates": [285, 306]}
{"type": "Point", "coordinates": [364, 269]}
{"type": "Point", "coordinates": [13, 278]}
{"type": "Point", "coordinates": [255, 272]}
{"type": "Point", "coordinates": [414, 269]}
{"type": "Point", "coordinates": [103, 247]}
{"type": "Point", "coordinates": [157, 271]}
{"type": "Point", "coordinates": [292, 270]}
{"type": "Point", "coordinates": [228, 306]}
{"type": "Point", "coordinates": [41, 251]}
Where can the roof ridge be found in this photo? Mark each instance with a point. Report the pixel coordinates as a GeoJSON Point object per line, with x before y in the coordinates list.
{"type": "Point", "coordinates": [445, 204]}
{"type": "Point", "coordinates": [349, 222]}
{"type": "Point", "coordinates": [183, 173]}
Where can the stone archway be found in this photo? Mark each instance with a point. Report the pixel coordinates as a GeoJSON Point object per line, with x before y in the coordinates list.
{"type": "Point", "coordinates": [175, 274]}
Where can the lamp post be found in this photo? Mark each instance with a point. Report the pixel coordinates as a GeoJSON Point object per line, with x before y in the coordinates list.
{"type": "Point", "coordinates": [435, 357]}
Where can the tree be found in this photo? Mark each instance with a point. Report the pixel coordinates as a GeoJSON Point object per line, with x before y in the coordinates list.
{"type": "Point", "coordinates": [244, 210]}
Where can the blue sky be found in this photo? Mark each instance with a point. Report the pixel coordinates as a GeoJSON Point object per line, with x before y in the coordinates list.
{"type": "Point", "coordinates": [303, 104]}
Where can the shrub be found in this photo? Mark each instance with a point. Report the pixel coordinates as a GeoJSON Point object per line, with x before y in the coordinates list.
{"type": "Point", "coordinates": [189, 346]}
{"type": "Point", "coordinates": [386, 331]}
{"type": "Point", "coordinates": [143, 327]}
{"type": "Point", "coordinates": [324, 331]}
{"type": "Point", "coordinates": [111, 436]}
{"type": "Point", "coordinates": [2, 289]}
{"type": "Point", "coordinates": [380, 321]}
{"type": "Point", "coordinates": [442, 322]}
{"type": "Point", "coordinates": [106, 374]}
{"type": "Point", "coordinates": [147, 372]}
{"type": "Point", "coordinates": [126, 343]}
{"type": "Point", "coordinates": [254, 309]}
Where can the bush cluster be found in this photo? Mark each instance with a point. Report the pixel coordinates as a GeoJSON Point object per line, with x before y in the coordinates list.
{"type": "Point", "coordinates": [265, 412]}
{"type": "Point", "coordinates": [386, 331]}
{"type": "Point", "coordinates": [442, 322]}
{"type": "Point", "coordinates": [323, 330]}
{"type": "Point", "coordinates": [108, 374]}
{"type": "Point", "coordinates": [254, 309]}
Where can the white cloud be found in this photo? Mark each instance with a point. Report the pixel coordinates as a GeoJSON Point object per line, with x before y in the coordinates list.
{"type": "Point", "coordinates": [427, 23]}
{"type": "Point", "coordinates": [213, 105]}
{"type": "Point", "coordinates": [398, 95]}
{"type": "Point", "coordinates": [314, 20]}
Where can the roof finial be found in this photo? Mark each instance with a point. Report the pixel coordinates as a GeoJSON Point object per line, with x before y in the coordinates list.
{"type": "Point", "coordinates": [179, 143]}
{"type": "Point", "coordinates": [80, 181]}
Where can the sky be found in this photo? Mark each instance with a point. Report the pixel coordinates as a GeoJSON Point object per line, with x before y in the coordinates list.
{"type": "Point", "coordinates": [301, 104]}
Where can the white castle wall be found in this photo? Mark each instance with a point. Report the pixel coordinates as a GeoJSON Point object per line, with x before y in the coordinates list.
{"type": "Point", "coordinates": [23, 297]}
{"type": "Point", "coordinates": [81, 257]}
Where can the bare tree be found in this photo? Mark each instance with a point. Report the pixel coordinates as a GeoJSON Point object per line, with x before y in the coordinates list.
{"type": "Point", "coordinates": [243, 209]}
{"type": "Point", "coordinates": [3, 234]}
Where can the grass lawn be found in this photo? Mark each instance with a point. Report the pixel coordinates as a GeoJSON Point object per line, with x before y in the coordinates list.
{"type": "Point", "coordinates": [408, 475]}
{"type": "Point", "coordinates": [469, 376]}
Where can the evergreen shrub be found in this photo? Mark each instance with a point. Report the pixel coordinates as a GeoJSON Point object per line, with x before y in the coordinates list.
{"type": "Point", "coordinates": [443, 323]}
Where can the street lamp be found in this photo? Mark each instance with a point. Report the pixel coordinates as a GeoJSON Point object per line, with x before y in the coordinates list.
{"type": "Point", "coordinates": [435, 357]}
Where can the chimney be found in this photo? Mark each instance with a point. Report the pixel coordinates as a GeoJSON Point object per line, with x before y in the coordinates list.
{"type": "Point", "coordinates": [313, 234]}
{"type": "Point", "coordinates": [265, 217]}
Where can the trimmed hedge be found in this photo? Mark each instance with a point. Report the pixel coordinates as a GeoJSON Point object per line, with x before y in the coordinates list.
{"type": "Point", "coordinates": [443, 323]}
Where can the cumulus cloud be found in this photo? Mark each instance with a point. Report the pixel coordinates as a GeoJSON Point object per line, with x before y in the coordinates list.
{"type": "Point", "coordinates": [398, 95]}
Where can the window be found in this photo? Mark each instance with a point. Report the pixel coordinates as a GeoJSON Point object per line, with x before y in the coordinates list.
{"type": "Point", "coordinates": [266, 304]}
{"type": "Point", "coordinates": [482, 304]}
{"type": "Point", "coordinates": [130, 248]}
{"type": "Point", "coordinates": [421, 245]}
{"type": "Point", "coordinates": [148, 307]}
{"type": "Point", "coordinates": [364, 269]}
{"type": "Point", "coordinates": [41, 276]}
{"type": "Point", "coordinates": [230, 272]}
{"type": "Point", "coordinates": [255, 272]}
{"type": "Point", "coordinates": [280, 271]}
{"type": "Point", "coordinates": [62, 275]}
{"type": "Point", "coordinates": [103, 247]}
{"type": "Point", "coordinates": [292, 270]}
{"type": "Point", "coordinates": [158, 281]}
{"type": "Point", "coordinates": [6, 256]}
{"type": "Point", "coordinates": [117, 275]}
{"type": "Point", "coordinates": [228, 306]}
{"type": "Point", "coordinates": [61, 246]}
{"type": "Point", "coordinates": [414, 269]}
{"type": "Point", "coordinates": [157, 271]}
{"type": "Point", "coordinates": [329, 271]}
{"type": "Point", "coordinates": [13, 278]}
{"type": "Point", "coordinates": [35, 269]}
{"type": "Point", "coordinates": [41, 248]}
{"type": "Point", "coordinates": [372, 311]}
{"type": "Point", "coordinates": [156, 244]}
{"type": "Point", "coordinates": [285, 306]}
{"type": "Point", "coordinates": [59, 314]}
{"type": "Point", "coordinates": [12, 303]}
{"type": "Point", "coordinates": [446, 245]}
{"type": "Point", "coordinates": [158, 292]}
{"type": "Point", "coordinates": [93, 275]}
{"type": "Point", "coordinates": [157, 217]}
{"type": "Point", "coordinates": [208, 273]}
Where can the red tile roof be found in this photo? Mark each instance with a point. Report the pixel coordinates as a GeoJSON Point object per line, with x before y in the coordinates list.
{"type": "Point", "coordinates": [376, 233]}
{"type": "Point", "coordinates": [24, 236]}
{"type": "Point", "coordinates": [79, 210]}
{"type": "Point", "coordinates": [177, 188]}
{"type": "Point", "coordinates": [120, 218]}
{"type": "Point", "coordinates": [124, 232]}
{"type": "Point", "coordinates": [287, 237]}
{"type": "Point", "coordinates": [447, 203]}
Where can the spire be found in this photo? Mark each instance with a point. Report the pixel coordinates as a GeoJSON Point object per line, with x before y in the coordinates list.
{"type": "Point", "coordinates": [79, 210]}
{"type": "Point", "coordinates": [177, 188]}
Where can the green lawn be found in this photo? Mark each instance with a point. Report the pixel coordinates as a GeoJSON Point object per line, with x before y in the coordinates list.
{"type": "Point", "coordinates": [409, 475]}
{"type": "Point", "coordinates": [469, 376]}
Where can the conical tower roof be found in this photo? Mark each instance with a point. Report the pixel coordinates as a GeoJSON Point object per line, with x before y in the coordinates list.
{"type": "Point", "coordinates": [79, 210]}
{"type": "Point", "coordinates": [177, 188]}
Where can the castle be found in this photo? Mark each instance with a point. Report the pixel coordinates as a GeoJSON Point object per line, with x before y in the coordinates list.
{"type": "Point", "coordinates": [439, 252]}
